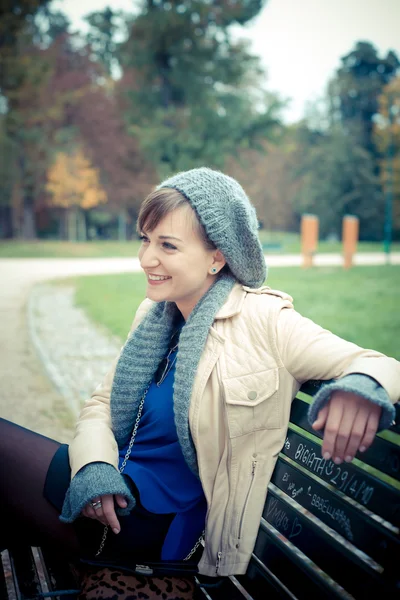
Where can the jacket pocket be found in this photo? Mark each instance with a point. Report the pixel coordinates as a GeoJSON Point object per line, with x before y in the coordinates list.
{"type": "Point", "coordinates": [252, 402]}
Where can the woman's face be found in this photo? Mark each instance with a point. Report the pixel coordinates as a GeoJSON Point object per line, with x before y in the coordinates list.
{"type": "Point", "coordinates": [176, 262]}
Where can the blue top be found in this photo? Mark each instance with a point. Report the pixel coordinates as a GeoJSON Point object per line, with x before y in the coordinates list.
{"type": "Point", "coordinates": [159, 470]}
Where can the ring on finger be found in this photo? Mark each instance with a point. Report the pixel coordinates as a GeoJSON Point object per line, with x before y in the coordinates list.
{"type": "Point", "coordinates": [96, 505]}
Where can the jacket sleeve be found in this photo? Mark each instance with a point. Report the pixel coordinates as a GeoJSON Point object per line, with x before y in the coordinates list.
{"type": "Point", "coordinates": [94, 440]}
{"type": "Point", "coordinates": [94, 480]}
{"type": "Point", "coordinates": [309, 352]}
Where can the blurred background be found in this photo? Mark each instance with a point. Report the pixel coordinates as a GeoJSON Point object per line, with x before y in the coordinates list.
{"type": "Point", "coordinates": [297, 99]}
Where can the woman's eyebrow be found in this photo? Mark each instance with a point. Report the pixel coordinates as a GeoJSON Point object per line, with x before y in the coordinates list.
{"type": "Point", "coordinates": [169, 237]}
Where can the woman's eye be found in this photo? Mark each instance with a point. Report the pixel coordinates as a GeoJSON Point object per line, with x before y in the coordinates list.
{"type": "Point", "coordinates": [169, 246]}
{"type": "Point", "coordinates": [143, 238]}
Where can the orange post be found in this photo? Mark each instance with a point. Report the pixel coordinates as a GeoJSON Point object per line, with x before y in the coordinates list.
{"type": "Point", "coordinates": [309, 238]}
{"type": "Point", "coordinates": [350, 231]}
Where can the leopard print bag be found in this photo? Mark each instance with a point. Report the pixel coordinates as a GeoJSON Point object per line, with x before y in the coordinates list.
{"type": "Point", "coordinates": [116, 584]}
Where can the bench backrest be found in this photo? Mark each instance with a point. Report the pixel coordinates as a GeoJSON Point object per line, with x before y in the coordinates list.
{"type": "Point", "coordinates": [328, 530]}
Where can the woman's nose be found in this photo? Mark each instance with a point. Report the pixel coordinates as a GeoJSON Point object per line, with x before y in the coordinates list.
{"type": "Point", "coordinates": [148, 257]}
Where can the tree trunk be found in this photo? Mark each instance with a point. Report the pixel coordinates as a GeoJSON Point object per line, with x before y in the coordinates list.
{"type": "Point", "coordinates": [72, 225]}
{"type": "Point", "coordinates": [16, 219]}
{"type": "Point", "coordinates": [81, 225]}
{"type": "Point", "coordinates": [28, 218]}
{"type": "Point", "coordinates": [122, 226]}
{"type": "Point", "coordinates": [6, 226]}
{"type": "Point", "coordinates": [131, 224]}
{"type": "Point", "coordinates": [28, 229]}
{"type": "Point", "coordinates": [63, 224]}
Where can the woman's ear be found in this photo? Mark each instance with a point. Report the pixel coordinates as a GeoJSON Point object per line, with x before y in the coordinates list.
{"type": "Point", "coordinates": [218, 262]}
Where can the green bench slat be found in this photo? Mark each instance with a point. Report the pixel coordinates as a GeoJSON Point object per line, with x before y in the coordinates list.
{"type": "Point", "coordinates": [290, 568]}
{"type": "Point", "coordinates": [226, 590]}
{"type": "Point", "coordinates": [358, 528]}
{"type": "Point", "coordinates": [336, 559]}
{"type": "Point", "coordinates": [357, 484]}
{"type": "Point", "coordinates": [259, 579]}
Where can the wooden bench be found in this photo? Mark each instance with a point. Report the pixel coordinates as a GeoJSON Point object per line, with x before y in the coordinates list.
{"type": "Point", "coordinates": [327, 531]}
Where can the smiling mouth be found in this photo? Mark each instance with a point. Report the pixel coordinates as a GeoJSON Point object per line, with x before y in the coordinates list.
{"type": "Point", "coordinates": [158, 277]}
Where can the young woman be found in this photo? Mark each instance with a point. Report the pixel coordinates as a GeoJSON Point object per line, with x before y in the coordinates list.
{"type": "Point", "coordinates": [182, 436]}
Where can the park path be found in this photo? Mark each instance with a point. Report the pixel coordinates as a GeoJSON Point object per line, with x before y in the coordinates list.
{"type": "Point", "coordinates": [30, 394]}
{"type": "Point", "coordinates": [27, 394]}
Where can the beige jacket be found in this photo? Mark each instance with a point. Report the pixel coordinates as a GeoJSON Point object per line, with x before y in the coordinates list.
{"type": "Point", "coordinates": [258, 353]}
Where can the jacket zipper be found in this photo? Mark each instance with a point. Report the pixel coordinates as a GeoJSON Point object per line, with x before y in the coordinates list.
{"type": "Point", "coordinates": [219, 556]}
{"type": "Point", "coordinates": [253, 470]}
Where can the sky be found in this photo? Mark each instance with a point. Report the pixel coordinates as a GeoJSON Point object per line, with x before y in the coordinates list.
{"type": "Point", "coordinates": [300, 42]}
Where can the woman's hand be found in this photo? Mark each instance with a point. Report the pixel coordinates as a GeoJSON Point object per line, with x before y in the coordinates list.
{"type": "Point", "coordinates": [350, 423]}
{"type": "Point", "coordinates": [102, 509]}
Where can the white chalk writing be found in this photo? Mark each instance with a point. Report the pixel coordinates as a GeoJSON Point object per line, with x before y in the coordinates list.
{"type": "Point", "coordinates": [336, 514]}
{"type": "Point", "coordinates": [352, 484]}
{"type": "Point", "coordinates": [279, 518]}
{"type": "Point", "coordinates": [322, 505]}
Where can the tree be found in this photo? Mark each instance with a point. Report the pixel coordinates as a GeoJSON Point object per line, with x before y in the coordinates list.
{"type": "Point", "coordinates": [62, 99]}
{"type": "Point", "coordinates": [189, 92]}
{"type": "Point", "coordinates": [74, 186]}
{"type": "Point", "coordinates": [15, 15]}
{"type": "Point", "coordinates": [17, 70]}
{"type": "Point", "coordinates": [8, 179]}
{"type": "Point", "coordinates": [92, 114]}
{"type": "Point", "coordinates": [32, 119]}
{"type": "Point", "coordinates": [337, 178]}
{"type": "Point", "coordinates": [355, 90]}
{"type": "Point", "coordinates": [387, 140]}
{"type": "Point", "coordinates": [267, 177]}
{"type": "Point", "coordinates": [340, 167]}
{"type": "Point", "coordinates": [105, 27]}
{"type": "Point", "coordinates": [125, 174]}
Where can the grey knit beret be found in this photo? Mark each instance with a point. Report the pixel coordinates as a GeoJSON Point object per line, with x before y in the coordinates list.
{"type": "Point", "coordinates": [228, 217]}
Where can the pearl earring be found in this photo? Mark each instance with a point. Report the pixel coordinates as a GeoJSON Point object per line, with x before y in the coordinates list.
{"type": "Point", "coordinates": [213, 270]}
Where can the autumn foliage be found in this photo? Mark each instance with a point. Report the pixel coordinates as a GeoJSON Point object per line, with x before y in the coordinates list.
{"type": "Point", "coordinates": [74, 182]}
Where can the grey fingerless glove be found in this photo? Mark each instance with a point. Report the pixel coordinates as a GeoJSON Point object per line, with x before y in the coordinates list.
{"type": "Point", "coordinates": [93, 480]}
{"type": "Point", "coordinates": [357, 383]}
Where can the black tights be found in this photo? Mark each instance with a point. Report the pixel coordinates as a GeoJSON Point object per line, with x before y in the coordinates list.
{"type": "Point", "coordinates": [26, 515]}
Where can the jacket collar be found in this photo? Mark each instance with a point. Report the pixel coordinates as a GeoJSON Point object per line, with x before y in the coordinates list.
{"type": "Point", "coordinates": [234, 302]}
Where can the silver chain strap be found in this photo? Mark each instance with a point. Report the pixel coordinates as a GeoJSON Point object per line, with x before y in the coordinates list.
{"type": "Point", "coordinates": [122, 467]}
{"type": "Point", "coordinates": [197, 544]}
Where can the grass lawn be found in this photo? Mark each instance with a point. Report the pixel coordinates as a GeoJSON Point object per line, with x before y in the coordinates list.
{"type": "Point", "coordinates": [54, 249]}
{"type": "Point", "coordinates": [275, 242]}
{"type": "Point", "coordinates": [361, 305]}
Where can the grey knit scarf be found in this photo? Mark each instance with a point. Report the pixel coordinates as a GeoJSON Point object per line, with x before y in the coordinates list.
{"type": "Point", "coordinates": [145, 349]}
